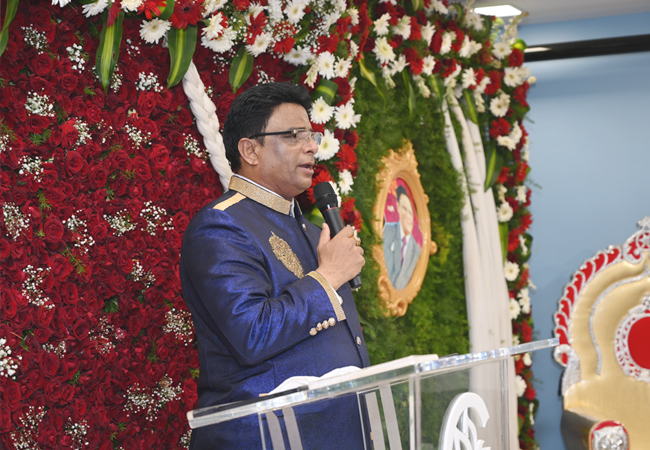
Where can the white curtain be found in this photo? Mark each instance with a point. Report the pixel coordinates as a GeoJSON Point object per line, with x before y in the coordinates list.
{"type": "Point", "coordinates": [486, 291]}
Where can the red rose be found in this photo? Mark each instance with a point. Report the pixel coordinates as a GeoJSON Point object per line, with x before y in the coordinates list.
{"type": "Point", "coordinates": [79, 106]}
{"type": "Point", "coordinates": [5, 249]}
{"type": "Point", "coordinates": [61, 268]}
{"type": "Point", "coordinates": [500, 127]}
{"type": "Point", "coordinates": [141, 167]}
{"type": "Point", "coordinates": [41, 64]}
{"type": "Point", "coordinates": [40, 85]}
{"type": "Point", "coordinates": [5, 418]}
{"type": "Point", "coordinates": [67, 393]}
{"type": "Point", "coordinates": [516, 58]}
{"type": "Point", "coordinates": [93, 114]}
{"type": "Point", "coordinates": [11, 394]}
{"type": "Point", "coordinates": [159, 156]}
{"type": "Point", "coordinates": [97, 175]}
{"type": "Point", "coordinates": [530, 394]}
{"type": "Point", "coordinates": [49, 364]}
{"type": "Point", "coordinates": [43, 335]}
{"type": "Point", "coordinates": [9, 305]}
{"type": "Point", "coordinates": [180, 221]}
{"type": "Point", "coordinates": [52, 390]}
{"type": "Point", "coordinates": [116, 282]}
{"type": "Point", "coordinates": [53, 229]}
{"type": "Point", "coordinates": [37, 124]}
{"type": "Point", "coordinates": [68, 82]}
{"type": "Point", "coordinates": [75, 163]}
{"type": "Point", "coordinates": [80, 329]}
{"type": "Point", "coordinates": [146, 103]}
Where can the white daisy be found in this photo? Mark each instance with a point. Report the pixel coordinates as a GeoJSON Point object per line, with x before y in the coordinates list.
{"type": "Point", "coordinates": [422, 86]}
{"type": "Point", "coordinates": [396, 66]}
{"type": "Point", "coordinates": [255, 10]}
{"type": "Point", "coordinates": [428, 64]}
{"type": "Point", "coordinates": [448, 38]}
{"type": "Point", "coordinates": [386, 73]}
{"type": "Point", "coordinates": [210, 6]}
{"type": "Point", "coordinates": [260, 45]}
{"type": "Point", "coordinates": [524, 247]}
{"type": "Point", "coordinates": [511, 271]}
{"type": "Point", "coordinates": [298, 56]}
{"type": "Point", "coordinates": [152, 30]}
{"type": "Point", "coordinates": [215, 28]}
{"type": "Point", "coordinates": [501, 192]}
{"type": "Point", "coordinates": [516, 133]}
{"type": "Point", "coordinates": [392, 2]}
{"type": "Point", "coordinates": [512, 77]}
{"type": "Point", "coordinates": [520, 386]}
{"type": "Point", "coordinates": [501, 49]}
{"type": "Point", "coordinates": [381, 25]}
{"type": "Point", "coordinates": [403, 27]}
{"type": "Point", "coordinates": [507, 142]}
{"type": "Point", "coordinates": [499, 105]}
{"type": "Point", "coordinates": [345, 181]}
{"type": "Point", "coordinates": [329, 146]}
{"type": "Point", "coordinates": [223, 43]}
{"type": "Point", "coordinates": [450, 81]}
{"type": "Point", "coordinates": [312, 75]}
{"type": "Point", "coordinates": [131, 5]}
{"type": "Point", "coordinates": [345, 116]}
{"type": "Point", "coordinates": [383, 51]}
{"type": "Point", "coordinates": [321, 112]}
{"type": "Point", "coordinates": [468, 78]}
{"type": "Point", "coordinates": [525, 152]}
{"type": "Point", "coordinates": [427, 31]}
{"type": "Point", "coordinates": [61, 3]}
{"type": "Point", "coordinates": [528, 361]}
{"type": "Point", "coordinates": [504, 212]}
{"type": "Point", "coordinates": [92, 9]}
{"type": "Point", "coordinates": [295, 11]}
{"type": "Point", "coordinates": [326, 63]}
{"type": "Point", "coordinates": [354, 49]}
{"type": "Point", "coordinates": [436, 5]}
{"type": "Point", "coordinates": [354, 16]}
{"type": "Point", "coordinates": [521, 193]}
{"type": "Point", "coordinates": [479, 101]}
{"type": "Point", "coordinates": [515, 309]}
{"type": "Point", "coordinates": [469, 47]}
{"type": "Point", "coordinates": [342, 67]}
{"type": "Point", "coordinates": [524, 299]}
{"type": "Point", "coordinates": [473, 20]}
{"type": "Point", "coordinates": [480, 88]}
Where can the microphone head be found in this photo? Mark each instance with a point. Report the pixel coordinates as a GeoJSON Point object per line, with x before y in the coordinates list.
{"type": "Point", "coordinates": [325, 196]}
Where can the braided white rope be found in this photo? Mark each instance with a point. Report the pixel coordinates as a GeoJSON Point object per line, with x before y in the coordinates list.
{"type": "Point", "coordinates": [208, 123]}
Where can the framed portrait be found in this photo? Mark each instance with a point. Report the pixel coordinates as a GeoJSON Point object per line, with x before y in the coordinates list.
{"type": "Point", "coordinates": [402, 221]}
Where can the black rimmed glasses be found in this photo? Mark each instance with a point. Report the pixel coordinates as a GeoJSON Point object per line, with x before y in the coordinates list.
{"type": "Point", "coordinates": [298, 135]}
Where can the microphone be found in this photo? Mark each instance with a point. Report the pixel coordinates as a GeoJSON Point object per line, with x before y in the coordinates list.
{"type": "Point", "coordinates": [328, 204]}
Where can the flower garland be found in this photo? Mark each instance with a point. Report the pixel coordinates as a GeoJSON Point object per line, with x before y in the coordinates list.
{"type": "Point", "coordinates": [94, 181]}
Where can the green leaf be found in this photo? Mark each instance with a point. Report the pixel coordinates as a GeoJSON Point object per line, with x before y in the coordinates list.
{"type": "Point", "coordinates": [494, 162]}
{"type": "Point", "coordinates": [108, 51]}
{"type": "Point", "coordinates": [326, 90]}
{"type": "Point", "coordinates": [167, 11]}
{"type": "Point", "coordinates": [438, 86]}
{"type": "Point", "coordinates": [316, 217]}
{"type": "Point", "coordinates": [182, 44]}
{"type": "Point", "coordinates": [417, 4]}
{"type": "Point", "coordinates": [410, 92]}
{"type": "Point", "coordinates": [370, 76]}
{"type": "Point", "coordinates": [12, 7]}
{"type": "Point", "coordinates": [503, 234]}
{"type": "Point", "coordinates": [241, 69]}
{"type": "Point", "coordinates": [470, 106]}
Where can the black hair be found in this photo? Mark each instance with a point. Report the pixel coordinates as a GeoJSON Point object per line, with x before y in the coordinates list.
{"type": "Point", "coordinates": [401, 190]}
{"type": "Point", "coordinates": [251, 110]}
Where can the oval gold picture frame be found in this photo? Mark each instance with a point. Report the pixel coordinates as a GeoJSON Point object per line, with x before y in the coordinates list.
{"type": "Point", "coordinates": [399, 169]}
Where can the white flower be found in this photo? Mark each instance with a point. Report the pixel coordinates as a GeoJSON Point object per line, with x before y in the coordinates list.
{"type": "Point", "coordinates": [510, 270]}
{"type": "Point", "coordinates": [398, 65]}
{"type": "Point", "coordinates": [321, 112]}
{"type": "Point", "coordinates": [516, 133]}
{"type": "Point", "coordinates": [383, 51]}
{"type": "Point", "coordinates": [336, 191]}
{"type": "Point", "coordinates": [507, 142]}
{"type": "Point", "coordinates": [345, 116]}
{"type": "Point", "coordinates": [422, 86]}
{"type": "Point", "coordinates": [531, 411]}
{"type": "Point", "coordinates": [522, 244]}
{"type": "Point", "coordinates": [473, 20]}
{"type": "Point", "coordinates": [499, 105]}
{"type": "Point", "coordinates": [329, 146]}
{"type": "Point", "coordinates": [255, 10]}
{"type": "Point", "coordinates": [61, 3]}
{"type": "Point", "coordinates": [215, 29]}
{"type": "Point", "coordinates": [480, 88]}
{"type": "Point", "coordinates": [392, 2]}
{"type": "Point", "coordinates": [520, 385]}
{"type": "Point", "coordinates": [210, 6]}
{"type": "Point", "coordinates": [436, 5]}
{"type": "Point", "coordinates": [92, 9]}
{"type": "Point", "coordinates": [131, 5]}
{"type": "Point", "coordinates": [342, 67]}
{"type": "Point", "coordinates": [223, 43]}
{"type": "Point", "coordinates": [295, 11]}
{"type": "Point", "coordinates": [478, 100]}
{"type": "Point", "coordinates": [527, 360]}
{"type": "Point", "coordinates": [428, 31]}
{"type": "Point", "coordinates": [354, 16]}
{"type": "Point", "coordinates": [381, 25]}
{"type": "Point", "coordinates": [447, 39]}
{"type": "Point", "coordinates": [312, 75]}
{"type": "Point", "coordinates": [152, 30]}
{"type": "Point", "coordinates": [501, 192]}
{"type": "Point", "coordinates": [298, 56]}
{"type": "Point", "coordinates": [428, 64]}
{"type": "Point", "coordinates": [515, 339]}
{"type": "Point", "coordinates": [403, 27]}
{"type": "Point", "coordinates": [504, 212]}
{"type": "Point", "coordinates": [451, 79]}
{"type": "Point", "coordinates": [515, 309]}
{"type": "Point", "coordinates": [524, 299]}
{"type": "Point", "coordinates": [512, 77]}
{"type": "Point", "coordinates": [345, 181]}
{"type": "Point", "coordinates": [386, 73]}
{"type": "Point", "coordinates": [532, 80]}
{"type": "Point", "coordinates": [501, 49]}
{"type": "Point", "coordinates": [260, 45]}
{"type": "Point", "coordinates": [468, 78]}
{"type": "Point", "coordinates": [326, 63]}
{"type": "Point", "coordinates": [354, 49]}
{"type": "Point", "coordinates": [521, 194]}
{"type": "Point", "coordinates": [526, 149]}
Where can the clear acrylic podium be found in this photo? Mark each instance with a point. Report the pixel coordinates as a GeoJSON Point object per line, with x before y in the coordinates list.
{"type": "Point", "coordinates": [418, 402]}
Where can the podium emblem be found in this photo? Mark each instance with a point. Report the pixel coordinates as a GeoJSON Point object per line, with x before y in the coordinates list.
{"type": "Point", "coordinates": [459, 432]}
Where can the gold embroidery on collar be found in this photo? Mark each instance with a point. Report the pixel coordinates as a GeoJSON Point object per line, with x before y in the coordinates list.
{"type": "Point", "coordinates": [261, 196]}
{"type": "Point", "coordinates": [286, 255]}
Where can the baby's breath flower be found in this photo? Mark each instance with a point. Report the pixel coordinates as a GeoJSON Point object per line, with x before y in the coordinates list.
{"type": "Point", "coordinates": [15, 220]}
{"type": "Point", "coordinates": [32, 286]}
{"type": "Point", "coordinates": [34, 38]}
{"type": "Point", "coordinates": [121, 222]}
{"type": "Point", "coordinates": [8, 363]}
{"type": "Point", "coordinates": [39, 105]}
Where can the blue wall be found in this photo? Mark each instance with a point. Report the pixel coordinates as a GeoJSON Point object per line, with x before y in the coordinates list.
{"type": "Point", "coordinates": [590, 155]}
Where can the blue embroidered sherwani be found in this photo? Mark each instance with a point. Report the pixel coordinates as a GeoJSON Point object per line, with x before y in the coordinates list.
{"type": "Point", "coordinates": [261, 313]}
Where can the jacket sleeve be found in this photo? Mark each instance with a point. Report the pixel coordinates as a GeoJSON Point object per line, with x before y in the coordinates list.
{"type": "Point", "coordinates": [256, 311]}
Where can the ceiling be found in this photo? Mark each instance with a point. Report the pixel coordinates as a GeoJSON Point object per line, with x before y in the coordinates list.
{"type": "Point", "coordinates": [541, 11]}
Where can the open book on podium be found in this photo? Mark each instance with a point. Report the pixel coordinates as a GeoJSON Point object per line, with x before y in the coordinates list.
{"type": "Point", "coordinates": [418, 402]}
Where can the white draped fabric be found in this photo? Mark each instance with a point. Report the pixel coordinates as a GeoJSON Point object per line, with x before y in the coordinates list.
{"type": "Point", "coordinates": [485, 286]}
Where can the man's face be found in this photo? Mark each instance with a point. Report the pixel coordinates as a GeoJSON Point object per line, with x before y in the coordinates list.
{"type": "Point", "coordinates": [285, 164]}
{"type": "Point", "coordinates": [405, 214]}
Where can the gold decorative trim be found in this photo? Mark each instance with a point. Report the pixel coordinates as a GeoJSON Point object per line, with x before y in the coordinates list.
{"type": "Point", "coordinates": [402, 164]}
{"type": "Point", "coordinates": [286, 255]}
{"type": "Point", "coordinates": [228, 203]}
{"type": "Point", "coordinates": [334, 300]}
{"type": "Point", "coordinates": [273, 201]}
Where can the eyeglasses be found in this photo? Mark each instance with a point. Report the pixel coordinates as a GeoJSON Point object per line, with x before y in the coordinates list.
{"type": "Point", "coordinates": [298, 135]}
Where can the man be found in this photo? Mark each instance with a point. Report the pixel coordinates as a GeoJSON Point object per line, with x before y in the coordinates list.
{"type": "Point", "coordinates": [267, 289]}
{"type": "Point", "coordinates": [401, 251]}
